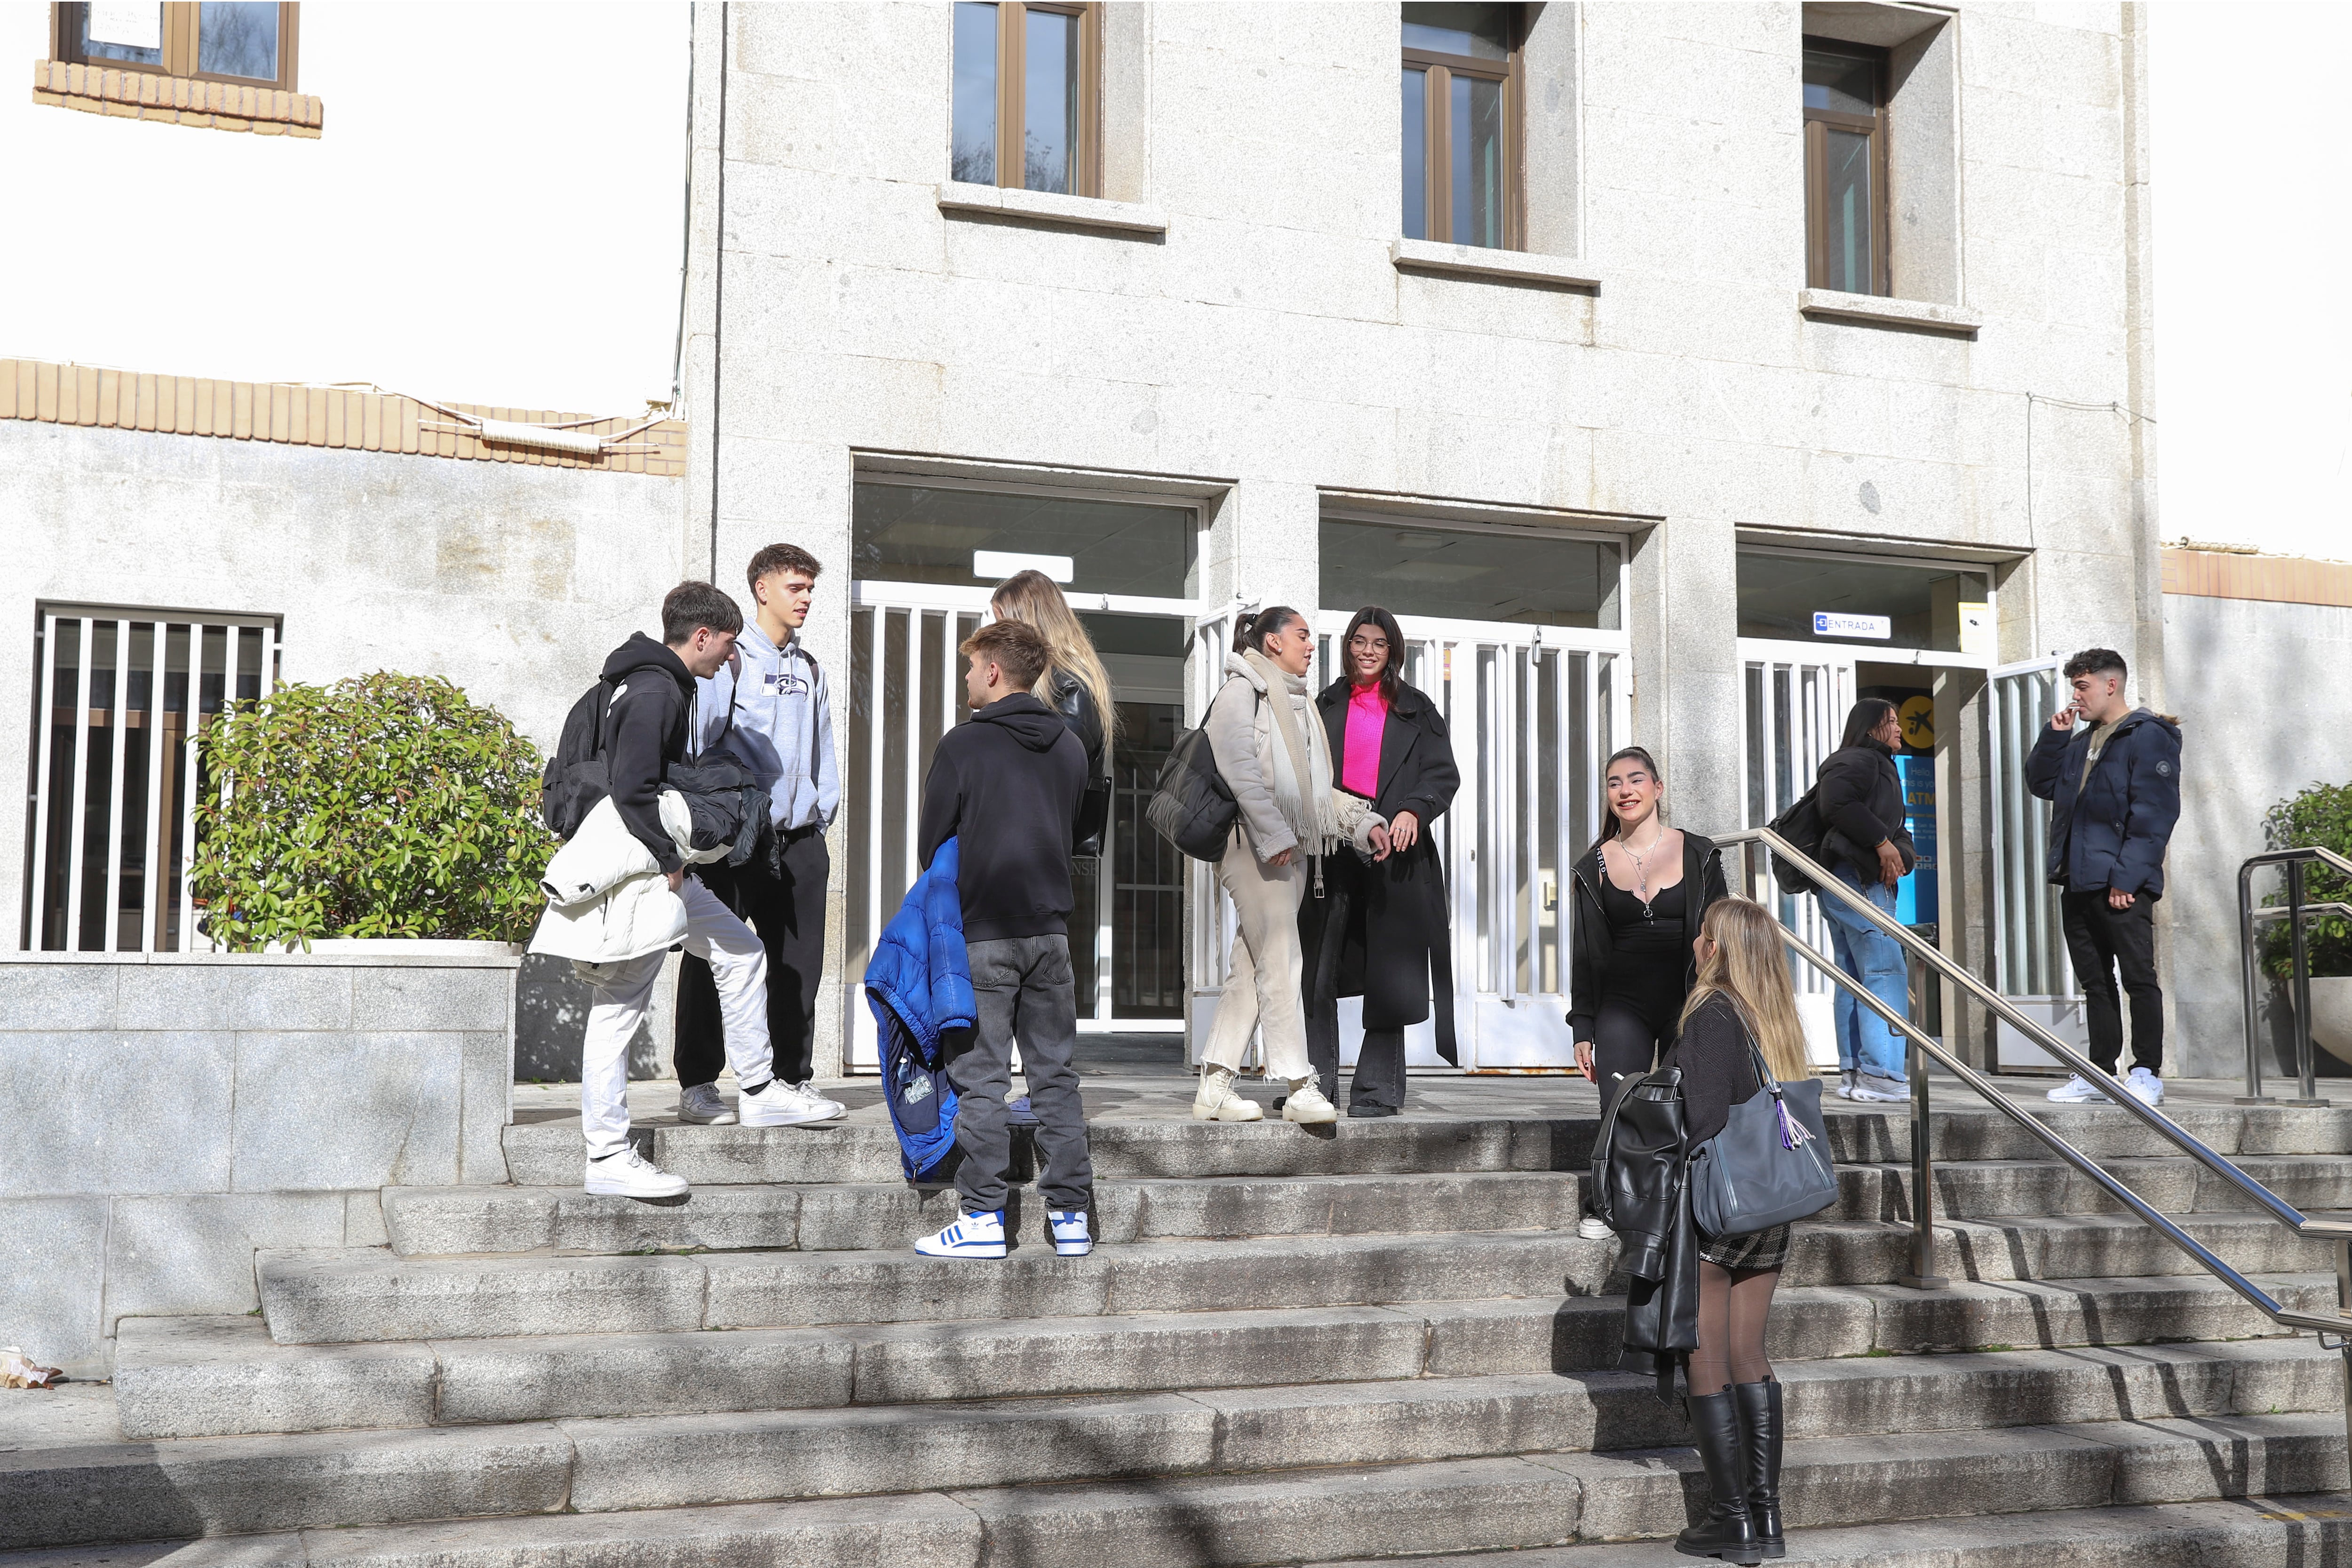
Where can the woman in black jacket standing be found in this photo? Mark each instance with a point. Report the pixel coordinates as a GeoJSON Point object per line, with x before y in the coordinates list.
{"type": "Point", "coordinates": [1380, 931]}
{"type": "Point", "coordinates": [1640, 892]}
{"type": "Point", "coordinates": [1075, 686]}
{"type": "Point", "coordinates": [1866, 842]}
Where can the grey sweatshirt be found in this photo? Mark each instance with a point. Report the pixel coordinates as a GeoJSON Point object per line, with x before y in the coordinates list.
{"type": "Point", "coordinates": [782, 726]}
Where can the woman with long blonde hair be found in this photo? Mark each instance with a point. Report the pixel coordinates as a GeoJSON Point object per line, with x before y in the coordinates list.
{"type": "Point", "coordinates": [1742, 995]}
{"type": "Point", "coordinates": [1075, 686]}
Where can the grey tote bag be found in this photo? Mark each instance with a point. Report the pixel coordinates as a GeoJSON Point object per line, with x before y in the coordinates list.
{"type": "Point", "coordinates": [1770, 1165]}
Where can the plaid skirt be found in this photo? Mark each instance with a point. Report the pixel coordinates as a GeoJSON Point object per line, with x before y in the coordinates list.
{"type": "Point", "coordinates": [1766, 1248]}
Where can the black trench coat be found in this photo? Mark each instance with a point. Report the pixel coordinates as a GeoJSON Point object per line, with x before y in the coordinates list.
{"type": "Point", "coordinates": [1380, 931]}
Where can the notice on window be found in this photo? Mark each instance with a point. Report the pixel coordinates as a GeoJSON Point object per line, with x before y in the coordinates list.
{"type": "Point", "coordinates": [1835, 624]}
{"type": "Point", "coordinates": [1976, 633]}
{"type": "Point", "coordinates": [127, 26]}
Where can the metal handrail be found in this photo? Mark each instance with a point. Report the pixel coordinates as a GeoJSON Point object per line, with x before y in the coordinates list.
{"type": "Point", "coordinates": [1831, 885]}
{"type": "Point", "coordinates": [2298, 974]}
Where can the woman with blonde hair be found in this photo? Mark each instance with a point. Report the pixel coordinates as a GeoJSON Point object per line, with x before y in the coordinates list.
{"type": "Point", "coordinates": [1742, 995]}
{"type": "Point", "coordinates": [1075, 686]}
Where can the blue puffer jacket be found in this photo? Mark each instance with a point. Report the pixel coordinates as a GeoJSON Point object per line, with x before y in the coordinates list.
{"type": "Point", "coordinates": [2113, 833]}
{"type": "Point", "coordinates": [918, 983]}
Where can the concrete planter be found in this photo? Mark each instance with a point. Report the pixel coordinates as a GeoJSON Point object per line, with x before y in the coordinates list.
{"type": "Point", "coordinates": [175, 1111]}
{"type": "Point", "coordinates": [2331, 1017]}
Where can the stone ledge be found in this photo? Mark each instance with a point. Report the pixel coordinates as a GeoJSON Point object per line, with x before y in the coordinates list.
{"type": "Point", "coordinates": [1871, 310]}
{"type": "Point", "coordinates": [150, 95]}
{"type": "Point", "coordinates": [1502, 266]}
{"type": "Point", "coordinates": [1048, 208]}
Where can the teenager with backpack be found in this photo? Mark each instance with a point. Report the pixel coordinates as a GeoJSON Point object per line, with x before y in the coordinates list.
{"type": "Point", "coordinates": [769, 709]}
{"type": "Point", "coordinates": [1006, 787]}
{"type": "Point", "coordinates": [648, 697]}
{"type": "Point", "coordinates": [1865, 841]}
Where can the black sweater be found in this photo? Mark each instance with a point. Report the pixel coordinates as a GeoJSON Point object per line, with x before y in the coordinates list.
{"type": "Point", "coordinates": [1006, 787]}
{"type": "Point", "coordinates": [646, 733]}
{"type": "Point", "coordinates": [1718, 1069]}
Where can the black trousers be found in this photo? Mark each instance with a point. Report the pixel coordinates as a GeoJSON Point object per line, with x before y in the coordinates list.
{"type": "Point", "coordinates": [2104, 943]}
{"type": "Point", "coordinates": [788, 911]}
{"type": "Point", "coordinates": [1380, 1062]}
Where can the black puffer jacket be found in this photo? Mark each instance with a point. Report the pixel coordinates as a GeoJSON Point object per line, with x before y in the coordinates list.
{"type": "Point", "coordinates": [1862, 804]}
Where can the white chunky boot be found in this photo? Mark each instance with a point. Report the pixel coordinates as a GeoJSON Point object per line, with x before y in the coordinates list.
{"type": "Point", "coordinates": [1218, 1103]}
{"type": "Point", "coordinates": [1307, 1104]}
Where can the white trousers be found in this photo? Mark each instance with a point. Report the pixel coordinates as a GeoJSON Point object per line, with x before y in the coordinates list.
{"type": "Point", "coordinates": [738, 962]}
{"type": "Point", "coordinates": [1262, 981]}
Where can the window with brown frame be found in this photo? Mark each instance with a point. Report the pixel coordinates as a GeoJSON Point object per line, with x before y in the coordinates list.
{"type": "Point", "coordinates": [1028, 96]}
{"type": "Point", "coordinates": [1845, 168]}
{"type": "Point", "coordinates": [1462, 89]}
{"type": "Point", "coordinates": [242, 42]}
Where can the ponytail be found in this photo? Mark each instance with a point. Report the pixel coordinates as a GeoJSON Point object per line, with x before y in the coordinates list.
{"type": "Point", "coordinates": [1250, 631]}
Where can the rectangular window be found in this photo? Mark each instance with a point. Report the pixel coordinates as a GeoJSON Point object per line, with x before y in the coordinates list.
{"type": "Point", "coordinates": [1845, 168]}
{"type": "Point", "coordinates": [122, 695]}
{"type": "Point", "coordinates": [974, 538]}
{"type": "Point", "coordinates": [249, 44]}
{"type": "Point", "coordinates": [1027, 99]}
{"type": "Point", "coordinates": [1462, 95]}
{"type": "Point", "coordinates": [1464, 575]}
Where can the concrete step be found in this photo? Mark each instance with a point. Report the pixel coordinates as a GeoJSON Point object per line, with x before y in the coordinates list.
{"type": "Point", "coordinates": [1962, 1127]}
{"type": "Point", "coordinates": [192, 1377]}
{"type": "Point", "coordinates": [2312, 1530]}
{"type": "Point", "coordinates": [1977, 1188]}
{"type": "Point", "coordinates": [550, 1152]}
{"type": "Point", "coordinates": [243, 1485]}
{"type": "Point", "coordinates": [342, 1296]}
{"type": "Point", "coordinates": [449, 1221]}
{"type": "Point", "coordinates": [2044, 1246]}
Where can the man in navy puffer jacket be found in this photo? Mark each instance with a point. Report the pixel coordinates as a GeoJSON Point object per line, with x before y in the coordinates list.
{"type": "Point", "coordinates": [2115, 784]}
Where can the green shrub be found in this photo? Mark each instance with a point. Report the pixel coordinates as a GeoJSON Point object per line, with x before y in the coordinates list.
{"type": "Point", "coordinates": [2320, 815]}
{"type": "Point", "coordinates": [382, 805]}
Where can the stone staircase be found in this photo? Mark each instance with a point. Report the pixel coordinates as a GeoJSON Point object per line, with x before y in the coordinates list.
{"type": "Point", "coordinates": [1376, 1341]}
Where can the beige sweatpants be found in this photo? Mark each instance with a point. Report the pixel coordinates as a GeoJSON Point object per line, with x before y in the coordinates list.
{"type": "Point", "coordinates": [1262, 981]}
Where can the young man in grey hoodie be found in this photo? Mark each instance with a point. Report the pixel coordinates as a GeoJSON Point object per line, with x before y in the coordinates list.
{"type": "Point", "coordinates": [771, 711]}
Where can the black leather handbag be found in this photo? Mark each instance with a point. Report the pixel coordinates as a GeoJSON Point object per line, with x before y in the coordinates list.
{"type": "Point", "coordinates": [1770, 1165]}
{"type": "Point", "coordinates": [1193, 808]}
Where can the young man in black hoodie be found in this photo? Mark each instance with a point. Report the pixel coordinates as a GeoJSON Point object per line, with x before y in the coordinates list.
{"type": "Point", "coordinates": [647, 722]}
{"type": "Point", "coordinates": [1007, 786]}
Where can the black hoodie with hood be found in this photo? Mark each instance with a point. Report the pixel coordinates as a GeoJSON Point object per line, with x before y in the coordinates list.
{"type": "Point", "coordinates": [645, 732]}
{"type": "Point", "coordinates": [1006, 786]}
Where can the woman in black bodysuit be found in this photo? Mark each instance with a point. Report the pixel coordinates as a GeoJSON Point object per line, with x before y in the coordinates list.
{"type": "Point", "coordinates": [1641, 893]}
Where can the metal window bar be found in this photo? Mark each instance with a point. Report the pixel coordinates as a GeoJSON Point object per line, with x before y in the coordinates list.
{"type": "Point", "coordinates": [2029, 943]}
{"type": "Point", "coordinates": [2335, 1331]}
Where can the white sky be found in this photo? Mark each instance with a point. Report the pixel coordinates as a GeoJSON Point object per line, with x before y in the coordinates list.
{"type": "Point", "coordinates": [2253, 320]}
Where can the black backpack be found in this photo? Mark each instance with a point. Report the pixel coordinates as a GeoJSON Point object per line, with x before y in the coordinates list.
{"type": "Point", "coordinates": [1193, 808]}
{"type": "Point", "coordinates": [575, 779]}
{"type": "Point", "coordinates": [1802, 827]}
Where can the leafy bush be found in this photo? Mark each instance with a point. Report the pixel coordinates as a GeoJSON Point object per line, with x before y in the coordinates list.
{"type": "Point", "coordinates": [382, 805]}
{"type": "Point", "coordinates": [2320, 815]}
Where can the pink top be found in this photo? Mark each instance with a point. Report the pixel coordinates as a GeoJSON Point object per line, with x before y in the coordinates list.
{"type": "Point", "coordinates": [1368, 715]}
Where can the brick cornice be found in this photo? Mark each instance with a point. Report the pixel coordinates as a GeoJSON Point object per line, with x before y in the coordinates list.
{"type": "Point", "coordinates": [147, 95]}
{"type": "Point", "coordinates": [292, 413]}
{"type": "Point", "coordinates": [2279, 579]}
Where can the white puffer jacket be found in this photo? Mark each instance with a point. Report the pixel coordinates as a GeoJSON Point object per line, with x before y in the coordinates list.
{"type": "Point", "coordinates": [607, 901]}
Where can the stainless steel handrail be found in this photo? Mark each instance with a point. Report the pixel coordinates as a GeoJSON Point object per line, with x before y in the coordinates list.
{"type": "Point", "coordinates": [1831, 885]}
{"type": "Point", "coordinates": [2299, 972]}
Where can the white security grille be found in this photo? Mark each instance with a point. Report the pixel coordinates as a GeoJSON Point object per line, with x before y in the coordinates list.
{"type": "Point", "coordinates": [2029, 949]}
{"type": "Point", "coordinates": [123, 695]}
{"type": "Point", "coordinates": [1796, 700]}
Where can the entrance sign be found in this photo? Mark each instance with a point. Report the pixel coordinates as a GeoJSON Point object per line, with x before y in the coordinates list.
{"type": "Point", "coordinates": [995, 565]}
{"type": "Point", "coordinates": [1835, 624]}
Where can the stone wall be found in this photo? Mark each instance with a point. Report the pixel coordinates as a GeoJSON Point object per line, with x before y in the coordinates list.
{"type": "Point", "coordinates": [172, 1113]}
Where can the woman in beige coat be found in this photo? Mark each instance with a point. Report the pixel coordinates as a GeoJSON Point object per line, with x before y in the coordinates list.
{"type": "Point", "coordinates": [1270, 745]}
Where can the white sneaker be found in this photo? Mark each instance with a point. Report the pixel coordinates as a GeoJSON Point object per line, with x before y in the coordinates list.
{"type": "Point", "coordinates": [629, 1174]}
{"type": "Point", "coordinates": [2145, 1087]}
{"type": "Point", "coordinates": [967, 1236]}
{"type": "Point", "coordinates": [1306, 1106]}
{"type": "Point", "coordinates": [1590, 1228]}
{"type": "Point", "coordinates": [1879, 1091]}
{"type": "Point", "coordinates": [783, 1104]}
{"type": "Point", "coordinates": [1846, 1080]}
{"type": "Point", "coordinates": [1071, 1237]}
{"type": "Point", "coordinates": [2077, 1090]}
{"type": "Point", "coordinates": [703, 1105]}
{"type": "Point", "coordinates": [1218, 1103]}
{"type": "Point", "coordinates": [829, 1107]}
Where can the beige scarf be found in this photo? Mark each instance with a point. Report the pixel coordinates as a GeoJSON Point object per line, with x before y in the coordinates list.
{"type": "Point", "coordinates": [1302, 762]}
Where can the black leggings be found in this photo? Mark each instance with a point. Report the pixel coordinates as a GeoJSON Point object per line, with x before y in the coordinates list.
{"type": "Point", "coordinates": [1628, 1035]}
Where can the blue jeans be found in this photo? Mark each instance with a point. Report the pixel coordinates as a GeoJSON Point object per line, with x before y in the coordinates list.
{"type": "Point", "coordinates": [1875, 959]}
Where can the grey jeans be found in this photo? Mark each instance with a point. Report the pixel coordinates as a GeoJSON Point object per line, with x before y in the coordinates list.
{"type": "Point", "coordinates": [1025, 993]}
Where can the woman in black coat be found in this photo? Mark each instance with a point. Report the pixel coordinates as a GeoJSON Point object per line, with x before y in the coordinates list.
{"type": "Point", "coordinates": [1380, 930]}
{"type": "Point", "coordinates": [1865, 841]}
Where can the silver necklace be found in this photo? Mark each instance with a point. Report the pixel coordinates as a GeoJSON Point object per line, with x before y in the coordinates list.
{"type": "Point", "coordinates": [1641, 871]}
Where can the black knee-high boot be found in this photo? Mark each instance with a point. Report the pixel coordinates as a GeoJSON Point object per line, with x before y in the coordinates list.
{"type": "Point", "coordinates": [1759, 1423]}
{"type": "Point", "coordinates": [1728, 1531]}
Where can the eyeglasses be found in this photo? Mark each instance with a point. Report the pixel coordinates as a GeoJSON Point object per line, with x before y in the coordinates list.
{"type": "Point", "coordinates": [1369, 644]}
